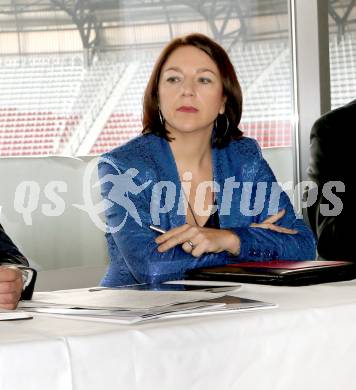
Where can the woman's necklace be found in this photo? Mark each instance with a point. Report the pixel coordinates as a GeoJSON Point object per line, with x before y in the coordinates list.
{"type": "Point", "coordinates": [190, 208]}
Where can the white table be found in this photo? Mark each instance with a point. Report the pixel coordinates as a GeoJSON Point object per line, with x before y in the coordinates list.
{"type": "Point", "coordinates": [308, 342]}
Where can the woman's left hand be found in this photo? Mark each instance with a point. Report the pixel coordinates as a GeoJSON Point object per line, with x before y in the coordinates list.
{"type": "Point", "coordinates": [198, 240]}
{"type": "Point", "coordinates": [270, 224]}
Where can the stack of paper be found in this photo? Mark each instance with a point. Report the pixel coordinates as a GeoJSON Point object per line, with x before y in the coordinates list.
{"type": "Point", "coordinates": [132, 306]}
{"type": "Point", "coordinates": [6, 315]}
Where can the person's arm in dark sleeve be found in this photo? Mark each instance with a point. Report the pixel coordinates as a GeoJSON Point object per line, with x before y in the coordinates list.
{"type": "Point", "coordinates": [9, 252]}
{"type": "Point", "coordinates": [332, 228]}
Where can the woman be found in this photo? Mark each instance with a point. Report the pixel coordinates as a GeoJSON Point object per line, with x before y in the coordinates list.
{"type": "Point", "coordinates": [195, 176]}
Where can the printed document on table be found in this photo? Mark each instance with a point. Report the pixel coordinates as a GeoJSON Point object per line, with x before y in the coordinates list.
{"type": "Point", "coordinates": [124, 316]}
{"type": "Point", "coordinates": [7, 315]}
{"type": "Point", "coordinates": [121, 299]}
{"type": "Point", "coordinates": [223, 305]}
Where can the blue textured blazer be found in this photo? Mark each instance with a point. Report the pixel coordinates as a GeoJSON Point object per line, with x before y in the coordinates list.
{"type": "Point", "coordinates": [132, 249]}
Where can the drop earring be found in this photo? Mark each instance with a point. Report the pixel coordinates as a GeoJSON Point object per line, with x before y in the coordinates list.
{"type": "Point", "coordinates": [227, 124]}
{"type": "Point", "coordinates": [161, 119]}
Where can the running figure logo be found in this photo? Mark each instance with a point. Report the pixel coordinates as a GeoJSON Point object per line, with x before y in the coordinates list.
{"type": "Point", "coordinates": [122, 186]}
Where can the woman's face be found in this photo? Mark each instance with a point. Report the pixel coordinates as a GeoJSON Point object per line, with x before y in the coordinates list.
{"type": "Point", "coordinates": [190, 91]}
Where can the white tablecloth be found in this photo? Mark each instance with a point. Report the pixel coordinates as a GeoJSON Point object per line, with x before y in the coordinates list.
{"type": "Point", "coordinates": [308, 342]}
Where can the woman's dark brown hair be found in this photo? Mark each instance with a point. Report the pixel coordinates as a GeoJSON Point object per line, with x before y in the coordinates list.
{"type": "Point", "coordinates": [227, 124]}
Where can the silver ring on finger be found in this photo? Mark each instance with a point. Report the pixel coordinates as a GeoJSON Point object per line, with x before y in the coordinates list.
{"type": "Point", "coordinates": [189, 242]}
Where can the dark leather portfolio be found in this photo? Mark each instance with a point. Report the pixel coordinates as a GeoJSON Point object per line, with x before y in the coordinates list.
{"type": "Point", "coordinates": [279, 272]}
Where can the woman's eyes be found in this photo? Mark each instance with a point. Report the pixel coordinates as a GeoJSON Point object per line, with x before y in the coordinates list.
{"type": "Point", "coordinates": [204, 80]}
{"type": "Point", "coordinates": [173, 79]}
{"type": "Point", "coordinates": [177, 79]}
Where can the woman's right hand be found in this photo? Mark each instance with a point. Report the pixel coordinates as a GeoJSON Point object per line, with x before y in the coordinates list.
{"type": "Point", "coordinates": [269, 223]}
{"type": "Point", "coordinates": [197, 240]}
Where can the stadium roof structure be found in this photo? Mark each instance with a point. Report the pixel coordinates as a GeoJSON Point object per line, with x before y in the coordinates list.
{"type": "Point", "coordinates": [228, 20]}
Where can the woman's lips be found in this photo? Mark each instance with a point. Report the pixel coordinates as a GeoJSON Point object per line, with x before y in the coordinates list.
{"type": "Point", "coordinates": [189, 109]}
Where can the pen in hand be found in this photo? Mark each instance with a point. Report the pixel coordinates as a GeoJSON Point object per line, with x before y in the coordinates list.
{"type": "Point", "coordinates": [157, 229]}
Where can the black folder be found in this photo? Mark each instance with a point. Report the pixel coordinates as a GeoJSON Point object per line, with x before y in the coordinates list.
{"type": "Point", "coordinates": [279, 272]}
